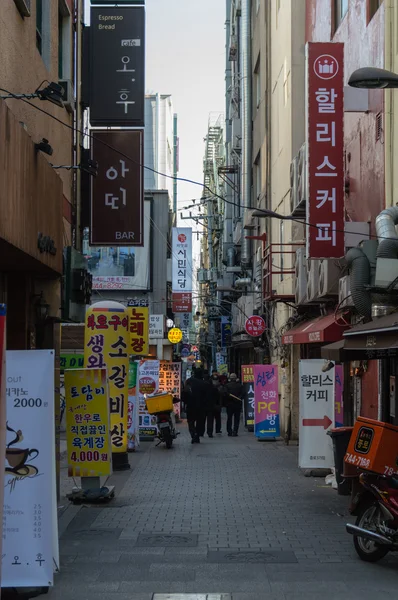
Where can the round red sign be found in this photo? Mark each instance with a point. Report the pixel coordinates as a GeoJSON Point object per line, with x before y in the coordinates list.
{"type": "Point", "coordinates": [182, 238]}
{"type": "Point", "coordinates": [255, 326]}
{"type": "Point", "coordinates": [147, 385]}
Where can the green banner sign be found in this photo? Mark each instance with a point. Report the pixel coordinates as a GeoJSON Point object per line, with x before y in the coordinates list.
{"type": "Point", "coordinates": [72, 361]}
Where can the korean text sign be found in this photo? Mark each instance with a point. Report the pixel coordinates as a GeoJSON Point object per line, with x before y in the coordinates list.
{"type": "Point", "coordinates": [29, 520]}
{"type": "Point", "coordinates": [147, 383]}
{"type": "Point", "coordinates": [87, 423]}
{"type": "Point", "coordinates": [325, 149]}
{"type": "Point", "coordinates": [317, 410]}
{"type": "Point", "coordinates": [117, 193]}
{"type": "Point", "coordinates": [156, 327]}
{"type": "Point", "coordinates": [139, 331]}
{"type": "Point", "coordinates": [226, 331]}
{"type": "Point", "coordinates": [170, 380]}
{"type": "Point", "coordinates": [266, 401]}
{"type": "Point", "coordinates": [182, 260]}
{"type": "Point", "coordinates": [106, 344]}
{"type": "Point", "coordinates": [248, 398]}
{"type": "Point", "coordinates": [117, 69]}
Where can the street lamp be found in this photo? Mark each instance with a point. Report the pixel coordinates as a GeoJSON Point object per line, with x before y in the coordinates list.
{"type": "Point", "coordinates": [373, 78]}
{"type": "Point", "coordinates": [53, 92]}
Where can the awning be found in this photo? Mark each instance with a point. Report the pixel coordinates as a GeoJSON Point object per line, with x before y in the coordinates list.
{"type": "Point", "coordinates": [321, 329]}
{"type": "Point", "coordinates": [375, 340]}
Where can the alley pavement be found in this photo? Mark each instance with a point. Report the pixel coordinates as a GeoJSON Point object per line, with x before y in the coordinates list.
{"type": "Point", "coordinates": [229, 519]}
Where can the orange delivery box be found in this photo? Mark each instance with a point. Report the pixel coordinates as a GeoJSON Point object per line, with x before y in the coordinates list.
{"type": "Point", "coordinates": [373, 447]}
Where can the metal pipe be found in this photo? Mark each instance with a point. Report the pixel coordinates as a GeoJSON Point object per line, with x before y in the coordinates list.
{"type": "Point", "coordinates": [386, 232]}
{"type": "Point", "coordinates": [246, 108]}
{"type": "Point", "coordinates": [368, 535]}
{"type": "Point", "coordinates": [231, 257]}
{"type": "Point", "coordinates": [242, 282]}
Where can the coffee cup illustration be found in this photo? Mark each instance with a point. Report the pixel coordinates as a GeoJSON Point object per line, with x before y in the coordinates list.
{"type": "Point", "coordinates": [19, 459]}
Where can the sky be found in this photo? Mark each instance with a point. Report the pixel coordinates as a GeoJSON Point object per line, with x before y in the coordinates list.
{"type": "Point", "coordinates": [185, 57]}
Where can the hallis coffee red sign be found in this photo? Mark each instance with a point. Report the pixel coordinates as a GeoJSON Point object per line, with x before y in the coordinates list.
{"type": "Point", "coordinates": [255, 326]}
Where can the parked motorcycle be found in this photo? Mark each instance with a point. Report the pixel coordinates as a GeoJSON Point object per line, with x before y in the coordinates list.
{"type": "Point", "coordinates": [375, 504]}
{"type": "Point", "coordinates": [162, 406]}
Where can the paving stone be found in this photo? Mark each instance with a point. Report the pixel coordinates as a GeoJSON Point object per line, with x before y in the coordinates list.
{"type": "Point", "coordinates": [251, 556]}
{"type": "Point", "coordinates": [167, 540]}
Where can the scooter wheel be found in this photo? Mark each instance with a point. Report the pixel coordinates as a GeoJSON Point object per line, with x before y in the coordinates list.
{"type": "Point", "coordinates": [366, 549]}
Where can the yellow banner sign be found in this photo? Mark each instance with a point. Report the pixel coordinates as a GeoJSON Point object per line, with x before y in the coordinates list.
{"type": "Point", "coordinates": [139, 330]}
{"type": "Point", "coordinates": [106, 343]}
{"type": "Point", "coordinates": [175, 335]}
{"type": "Point", "coordinates": [87, 423]}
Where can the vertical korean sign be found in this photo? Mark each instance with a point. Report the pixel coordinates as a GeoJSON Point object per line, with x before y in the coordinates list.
{"type": "Point", "coordinates": [133, 438]}
{"type": "Point", "coordinates": [226, 331]}
{"type": "Point", "coordinates": [248, 398]}
{"type": "Point", "coordinates": [266, 401]}
{"type": "Point", "coordinates": [147, 383]}
{"type": "Point", "coordinates": [317, 411]}
{"type": "Point", "coordinates": [87, 423]}
{"type": "Point", "coordinates": [117, 66]}
{"type": "Point", "coordinates": [170, 380]}
{"type": "Point", "coordinates": [139, 330]}
{"type": "Point", "coordinates": [325, 149]}
{"type": "Point", "coordinates": [117, 193]}
{"type": "Point", "coordinates": [182, 269]}
{"type": "Point", "coordinates": [3, 312]}
{"type": "Point", "coordinates": [30, 523]}
{"type": "Point", "coordinates": [106, 344]}
{"type": "Point", "coordinates": [338, 396]}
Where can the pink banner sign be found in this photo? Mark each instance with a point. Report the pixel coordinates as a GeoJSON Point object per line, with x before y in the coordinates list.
{"type": "Point", "coordinates": [266, 401]}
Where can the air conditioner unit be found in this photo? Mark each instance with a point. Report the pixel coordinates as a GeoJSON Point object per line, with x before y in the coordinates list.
{"type": "Point", "coordinates": [345, 298]}
{"type": "Point", "coordinates": [329, 274]}
{"type": "Point", "coordinates": [202, 275]}
{"type": "Point", "coordinates": [312, 280]}
{"type": "Point", "coordinates": [68, 96]}
{"type": "Point", "coordinates": [293, 183]}
{"type": "Point", "coordinates": [213, 275]}
{"type": "Point", "coordinates": [301, 277]}
{"type": "Point", "coordinates": [301, 195]}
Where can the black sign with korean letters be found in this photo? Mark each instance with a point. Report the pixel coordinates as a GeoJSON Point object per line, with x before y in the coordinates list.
{"type": "Point", "coordinates": [117, 61]}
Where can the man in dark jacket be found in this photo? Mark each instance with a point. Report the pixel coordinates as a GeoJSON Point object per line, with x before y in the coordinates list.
{"type": "Point", "coordinates": [215, 415]}
{"type": "Point", "coordinates": [234, 395]}
{"type": "Point", "coordinates": [195, 399]}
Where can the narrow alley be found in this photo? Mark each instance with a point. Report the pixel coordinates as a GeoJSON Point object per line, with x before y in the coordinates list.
{"type": "Point", "coordinates": [228, 516]}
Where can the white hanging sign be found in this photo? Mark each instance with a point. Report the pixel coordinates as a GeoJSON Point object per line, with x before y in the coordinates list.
{"type": "Point", "coordinates": [30, 553]}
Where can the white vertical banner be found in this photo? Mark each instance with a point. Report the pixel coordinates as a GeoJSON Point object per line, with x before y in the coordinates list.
{"type": "Point", "coordinates": [182, 260]}
{"type": "Point", "coordinates": [316, 415]}
{"type": "Point", "coordinates": [30, 552]}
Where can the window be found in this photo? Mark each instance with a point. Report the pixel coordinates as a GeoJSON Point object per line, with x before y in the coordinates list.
{"type": "Point", "coordinates": [257, 175]}
{"type": "Point", "coordinates": [64, 41]}
{"type": "Point", "coordinates": [373, 7]}
{"type": "Point", "coordinates": [257, 83]}
{"type": "Point", "coordinates": [340, 10]}
{"type": "Point", "coordinates": [39, 25]}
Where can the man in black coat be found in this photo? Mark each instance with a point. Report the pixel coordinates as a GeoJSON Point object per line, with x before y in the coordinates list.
{"type": "Point", "coordinates": [195, 398]}
{"type": "Point", "coordinates": [234, 395]}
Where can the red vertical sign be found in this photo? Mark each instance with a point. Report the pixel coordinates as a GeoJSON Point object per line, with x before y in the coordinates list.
{"type": "Point", "coordinates": [325, 150]}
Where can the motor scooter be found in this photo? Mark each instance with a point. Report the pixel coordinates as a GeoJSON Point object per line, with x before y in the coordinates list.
{"type": "Point", "coordinates": [162, 407]}
{"type": "Point", "coordinates": [375, 504]}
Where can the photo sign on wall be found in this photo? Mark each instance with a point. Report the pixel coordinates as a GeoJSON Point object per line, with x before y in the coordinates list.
{"type": "Point", "coordinates": [266, 401]}
{"type": "Point", "coordinates": [117, 193]}
{"type": "Point", "coordinates": [117, 66]}
{"type": "Point", "coordinates": [325, 149]}
{"type": "Point", "coordinates": [30, 505]}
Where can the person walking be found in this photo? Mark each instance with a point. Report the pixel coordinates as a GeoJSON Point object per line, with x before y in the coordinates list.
{"type": "Point", "coordinates": [234, 396]}
{"type": "Point", "coordinates": [206, 422]}
{"type": "Point", "coordinates": [195, 401]}
{"type": "Point", "coordinates": [215, 416]}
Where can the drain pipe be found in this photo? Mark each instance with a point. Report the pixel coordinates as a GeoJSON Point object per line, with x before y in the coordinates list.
{"type": "Point", "coordinates": [246, 96]}
{"type": "Point", "coordinates": [359, 268]}
{"type": "Point", "coordinates": [385, 228]}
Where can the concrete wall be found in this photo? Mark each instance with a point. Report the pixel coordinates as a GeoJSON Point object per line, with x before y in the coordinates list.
{"type": "Point", "coordinates": [23, 69]}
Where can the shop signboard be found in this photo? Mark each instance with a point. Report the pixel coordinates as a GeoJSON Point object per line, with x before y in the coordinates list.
{"type": "Point", "coordinates": [266, 401]}
{"type": "Point", "coordinates": [139, 331]}
{"type": "Point", "coordinates": [87, 423]}
{"type": "Point", "coordinates": [255, 326]}
{"type": "Point", "coordinates": [156, 327]}
{"type": "Point", "coordinates": [148, 383]}
{"type": "Point", "coordinates": [117, 193]}
{"type": "Point", "coordinates": [170, 380]}
{"type": "Point", "coordinates": [133, 438]}
{"type": "Point", "coordinates": [248, 396]}
{"type": "Point", "coordinates": [71, 361]}
{"type": "Point", "coordinates": [30, 533]}
{"type": "Point", "coordinates": [325, 149]}
{"type": "Point", "coordinates": [338, 396]}
{"type": "Point", "coordinates": [117, 66]}
{"type": "Point", "coordinates": [3, 416]}
{"type": "Point", "coordinates": [106, 344]}
{"type": "Point", "coordinates": [226, 331]}
{"type": "Point", "coordinates": [317, 413]}
{"type": "Point", "coordinates": [117, 267]}
{"type": "Point", "coordinates": [174, 335]}
{"type": "Point", "coordinates": [182, 271]}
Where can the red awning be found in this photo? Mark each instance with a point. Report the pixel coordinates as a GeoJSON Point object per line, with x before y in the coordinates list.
{"type": "Point", "coordinates": [321, 329]}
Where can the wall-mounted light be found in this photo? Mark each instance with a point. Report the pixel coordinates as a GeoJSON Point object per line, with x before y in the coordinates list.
{"type": "Point", "coordinates": [44, 146]}
{"type": "Point", "coordinates": [52, 92]}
